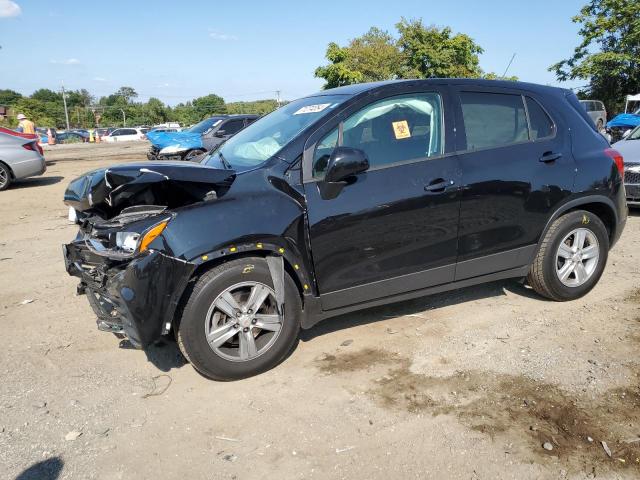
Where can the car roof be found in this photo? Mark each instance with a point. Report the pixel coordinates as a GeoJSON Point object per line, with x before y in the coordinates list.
{"type": "Point", "coordinates": [359, 88]}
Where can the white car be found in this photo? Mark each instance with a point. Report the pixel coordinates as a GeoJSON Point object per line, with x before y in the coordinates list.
{"type": "Point", "coordinates": [125, 135]}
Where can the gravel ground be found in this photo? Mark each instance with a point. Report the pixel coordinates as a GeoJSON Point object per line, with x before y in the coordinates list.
{"type": "Point", "coordinates": [486, 382]}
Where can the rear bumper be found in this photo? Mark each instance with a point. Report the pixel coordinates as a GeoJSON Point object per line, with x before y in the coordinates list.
{"type": "Point", "coordinates": [141, 295]}
{"type": "Point", "coordinates": [29, 168]}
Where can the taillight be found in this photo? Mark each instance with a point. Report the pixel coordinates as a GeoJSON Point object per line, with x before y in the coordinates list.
{"type": "Point", "coordinates": [616, 156]}
{"type": "Point", "coordinates": [34, 147]}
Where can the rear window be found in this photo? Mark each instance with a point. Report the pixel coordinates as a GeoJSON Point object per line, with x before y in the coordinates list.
{"type": "Point", "coordinates": [493, 119]}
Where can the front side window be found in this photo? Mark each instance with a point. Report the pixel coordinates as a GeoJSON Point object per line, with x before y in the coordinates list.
{"type": "Point", "coordinates": [389, 131]}
{"type": "Point", "coordinates": [232, 126]}
{"type": "Point", "coordinates": [493, 119]}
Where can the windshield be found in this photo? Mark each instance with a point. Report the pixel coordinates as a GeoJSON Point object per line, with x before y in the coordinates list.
{"type": "Point", "coordinates": [205, 125]}
{"type": "Point", "coordinates": [265, 137]}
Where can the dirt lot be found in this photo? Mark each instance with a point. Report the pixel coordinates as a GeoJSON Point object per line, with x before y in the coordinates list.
{"type": "Point", "coordinates": [469, 384]}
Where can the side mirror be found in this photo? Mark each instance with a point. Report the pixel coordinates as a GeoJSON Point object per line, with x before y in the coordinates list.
{"type": "Point", "coordinates": [345, 162]}
{"type": "Point", "coordinates": [220, 134]}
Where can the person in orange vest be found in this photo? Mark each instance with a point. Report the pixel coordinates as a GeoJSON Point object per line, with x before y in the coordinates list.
{"type": "Point", "coordinates": [25, 125]}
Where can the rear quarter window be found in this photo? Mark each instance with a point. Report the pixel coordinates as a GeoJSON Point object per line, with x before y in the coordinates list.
{"type": "Point", "coordinates": [541, 124]}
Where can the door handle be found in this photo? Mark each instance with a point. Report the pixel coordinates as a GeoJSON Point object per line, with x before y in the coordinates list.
{"type": "Point", "coordinates": [438, 185]}
{"type": "Point", "coordinates": [550, 157]}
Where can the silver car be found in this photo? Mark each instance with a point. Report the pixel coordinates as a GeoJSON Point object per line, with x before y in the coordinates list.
{"type": "Point", "coordinates": [20, 157]}
{"type": "Point", "coordinates": [629, 147]}
{"type": "Point", "coordinates": [595, 109]}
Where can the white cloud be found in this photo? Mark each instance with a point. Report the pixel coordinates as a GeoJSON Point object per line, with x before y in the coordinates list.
{"type": "Point", "coordinates": [222, 36]}
{"type": "Point", "coordinates": [68, 61]}
{"type": "Point", "coordinates": [99, 79]}
{"type": "Point", "coordinates": [163, 85]}
{"type": "Point", "coordinates": [9, 8]}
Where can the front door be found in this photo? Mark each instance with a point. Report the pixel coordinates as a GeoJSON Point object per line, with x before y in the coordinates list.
{"type": "Point", "coordinates": [394, 228]}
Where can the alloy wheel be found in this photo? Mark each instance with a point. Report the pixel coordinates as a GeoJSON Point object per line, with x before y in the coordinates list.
{"type": "Point", "coordinates": [577, 257]}
{"type": "Point", "coordinates": [4, 178]}
{"type": "Point", "coordinates": [242, 323]}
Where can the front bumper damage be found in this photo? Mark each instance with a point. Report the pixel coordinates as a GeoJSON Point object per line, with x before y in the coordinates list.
{"type": "Point", "coordinates": [136, 297]}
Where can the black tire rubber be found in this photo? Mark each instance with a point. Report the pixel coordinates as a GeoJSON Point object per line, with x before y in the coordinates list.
{"type": "Point", "coordinates": [191, 331]}
{"type": "Point", "coordinates": [7, 172]}
{"type": "Point", "coordinates": [542, 275]}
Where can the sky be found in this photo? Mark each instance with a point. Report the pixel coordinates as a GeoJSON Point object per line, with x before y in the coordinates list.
{"type": "Point", "coordinates": [246, 50]}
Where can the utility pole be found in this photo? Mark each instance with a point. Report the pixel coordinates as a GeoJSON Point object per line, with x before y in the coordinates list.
{"type": "Point", "coordinates": [64, 100]}
{"type": "Point", "coordinates": [278, 97]}
{"type": "Point", "coordinates": [124, 118]}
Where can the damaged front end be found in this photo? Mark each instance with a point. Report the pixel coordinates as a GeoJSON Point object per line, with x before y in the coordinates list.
{"type": "Point", "coordinates": [132, 280]}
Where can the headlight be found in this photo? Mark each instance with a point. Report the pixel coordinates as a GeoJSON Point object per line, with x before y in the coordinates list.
{"type": "Point", "coordinates": [127, 241]}
{"type": "Point", "coordinates": [172, 149]}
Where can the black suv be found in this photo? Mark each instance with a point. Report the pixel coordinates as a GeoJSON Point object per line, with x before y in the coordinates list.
{"type": "Point", "coordinates": [353, 197]}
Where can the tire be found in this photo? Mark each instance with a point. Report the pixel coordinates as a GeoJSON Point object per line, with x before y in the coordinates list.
{"type": "Point", "coordinates": [5, 177]}
{"type": "Point", "coordinates": [234, 277]}
{"type": "Point", "coordinates": [547, 268]}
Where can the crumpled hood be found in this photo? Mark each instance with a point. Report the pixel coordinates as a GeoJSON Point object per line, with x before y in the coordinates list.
{"type": "Point", "coordinates": [188, 140]}
{"type": "Point", "coordinates": [107, 191]}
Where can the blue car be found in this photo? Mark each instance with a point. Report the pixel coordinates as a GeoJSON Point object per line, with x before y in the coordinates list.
{"type": "Point", "coordinates": [194, 141]}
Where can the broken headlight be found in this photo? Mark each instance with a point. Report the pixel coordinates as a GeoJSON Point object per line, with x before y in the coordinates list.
{"type": "Point", "coordinates": [127, 241]}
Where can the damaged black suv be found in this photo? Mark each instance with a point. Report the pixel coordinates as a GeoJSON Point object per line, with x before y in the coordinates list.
{"type": "Point", "coordinates": [353, 197]}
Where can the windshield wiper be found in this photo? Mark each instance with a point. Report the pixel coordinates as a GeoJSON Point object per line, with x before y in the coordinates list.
{"type": "Point", "coordinates": [224, 162]}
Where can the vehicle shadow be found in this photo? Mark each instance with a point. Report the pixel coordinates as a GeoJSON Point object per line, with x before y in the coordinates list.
{"type": "Point", "coordinates": [48, 469]}
{"type": "Point", "coordinates": [165, 354]}
{"type": "Point", "coordinates": [419, 305]}
{"type": "Point", "coordinates": [35, 182]}
{"type": "Point", "coordinates": [634, 212]}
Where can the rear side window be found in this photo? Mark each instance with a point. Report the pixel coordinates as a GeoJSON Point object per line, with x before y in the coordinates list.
{"type": "Point", "coordinates": [541, 125]}
{"type": "Point", "coordinates": [493, 119]}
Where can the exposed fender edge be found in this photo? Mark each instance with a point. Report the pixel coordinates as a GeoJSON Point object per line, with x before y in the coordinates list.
{"type": "Point", "coordinates": [314, 314]}
{"type": "Point", "coordinates": [289, 255]}
{"type": "Point", "coordinates": [571, 204]}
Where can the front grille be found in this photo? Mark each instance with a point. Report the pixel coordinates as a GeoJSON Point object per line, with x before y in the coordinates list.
{"type": "Point", "coordinates": [631, 177]}
{"type": "Point", "coordinates": [633, 191]}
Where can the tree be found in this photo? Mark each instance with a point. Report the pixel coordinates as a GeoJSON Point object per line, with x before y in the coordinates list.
{"type": "Point", "coordinates": [418, 52]}
{"type": "Point", "coordinates": [9, 97]}
{"type": "Point", "coordinates": [208, 105]}
{"type": "Point", "coordinates": [46, 95]}
{"type": "Point", "coordinates": [430, 52]}
{"type": "Point", "coordinates": [369, 58]}
{"type": "Point", "coordinates": [608, 55]}
{"type": "Point", "coordinates": [127, 93]}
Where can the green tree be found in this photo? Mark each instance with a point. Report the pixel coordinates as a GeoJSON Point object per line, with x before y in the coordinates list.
{"type": "Point", "coordinates": [9, 97]}
{"type": "Point", "coordinates": [418, 52]}
{"type": "Point", "coordinates": [431, 52]}
{"type": "Point", "coordinates": [127, 93]}
{"type": "Point", "coordinates": [372, 57]}
{"type": "Point", "coordinates": [208, 105]}
{"type": "Point", "coordinates": [608, 55]}
{"type": "Point", "coordinates": [46, 95]}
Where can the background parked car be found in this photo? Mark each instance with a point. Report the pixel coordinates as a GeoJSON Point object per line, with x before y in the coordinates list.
{"type": "Point", "coordinates": [196, 140]}
{"type": "Point", "coordinates": [595, 109]}
{"type": "Point", "coordinates": [71, 137]}
{"type": "Point", "coordinates": [20, 157]}
{"type": "Point", "coordinates": [629, 147]}
{"type": "Point", "coordinates": [125, 135]}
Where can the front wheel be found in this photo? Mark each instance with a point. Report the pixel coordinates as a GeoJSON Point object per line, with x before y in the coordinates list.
{"type": "Point", "coordinates": [571, 258]}
{"type": "Point", "coordinates": [230, 326]}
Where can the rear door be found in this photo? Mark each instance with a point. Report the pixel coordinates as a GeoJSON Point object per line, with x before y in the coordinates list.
{"type": "Point", "coordinates": [516, 162]}
{"type": "Point", "coordinates": [394, 228]}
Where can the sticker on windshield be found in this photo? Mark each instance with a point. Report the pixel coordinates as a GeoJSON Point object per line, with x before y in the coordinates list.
{"type": "Point", "coordinates": [312, 108]}
{"type": "Point", "coordinates": [401, 129]}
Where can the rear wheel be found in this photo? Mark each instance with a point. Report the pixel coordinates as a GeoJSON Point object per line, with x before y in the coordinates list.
{"type": "Point", "coordinates": [5, 177]}
{"type": "Point", "coordinates": [230, 326]}
{"type": "Point", "coordinates": [571, 258]}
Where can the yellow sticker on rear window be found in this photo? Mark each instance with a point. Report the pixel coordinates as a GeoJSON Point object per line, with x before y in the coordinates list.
{"type": "Point", "coordinates": [401, 129]}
